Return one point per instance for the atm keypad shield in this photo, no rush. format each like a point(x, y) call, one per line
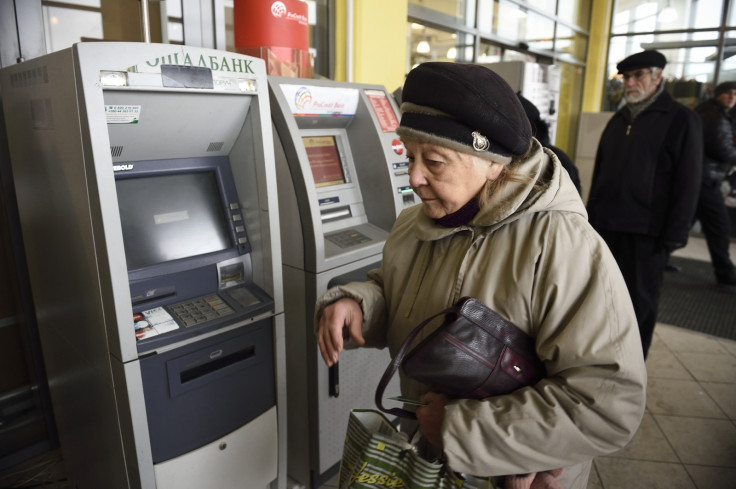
point(348, 238)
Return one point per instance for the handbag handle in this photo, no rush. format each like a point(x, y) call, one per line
point(396, 361)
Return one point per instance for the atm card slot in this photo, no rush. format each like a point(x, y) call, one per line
point(153, 295)
point(335, 214)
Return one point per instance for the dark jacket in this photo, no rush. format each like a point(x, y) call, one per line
point(718, 144)
point(647, 173)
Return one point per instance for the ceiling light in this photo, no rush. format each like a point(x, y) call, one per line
point(423, 47)
point(452, 53)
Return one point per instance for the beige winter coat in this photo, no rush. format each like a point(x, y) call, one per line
point(530, 255)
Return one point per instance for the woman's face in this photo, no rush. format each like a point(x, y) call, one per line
point(445, 179)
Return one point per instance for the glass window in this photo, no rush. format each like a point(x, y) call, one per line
point(511, 55)
point(546, 5)
point(175, 20)
point(173, 7)
point(570, 44)
point(646, 16)
point(519, 24)
point(487, 15)
point(576, 12)
point(539, 32)
point(728, 63)
point(458, 10)
point(66, 26)
point(489, 53)
point(428, 44)
point(176, 32)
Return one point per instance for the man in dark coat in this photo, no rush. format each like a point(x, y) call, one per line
point(646, 182)
point(718, 160)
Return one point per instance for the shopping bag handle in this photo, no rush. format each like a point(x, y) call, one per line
point(394, 365)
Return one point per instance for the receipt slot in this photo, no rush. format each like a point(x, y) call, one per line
point(146, 188)
point(343, 179)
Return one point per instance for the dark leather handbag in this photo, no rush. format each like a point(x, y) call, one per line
point(474, 354)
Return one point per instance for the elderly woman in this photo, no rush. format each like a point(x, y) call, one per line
point(501, 222)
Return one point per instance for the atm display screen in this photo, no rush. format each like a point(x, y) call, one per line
point(168, 217)
point(324, 160)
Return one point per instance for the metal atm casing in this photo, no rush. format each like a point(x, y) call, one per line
point(64, 150)
point(333, 232)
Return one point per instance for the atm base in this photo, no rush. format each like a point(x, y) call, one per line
point(246, 458)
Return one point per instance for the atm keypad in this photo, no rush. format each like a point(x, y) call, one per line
point(347, 238)
point(201, 310)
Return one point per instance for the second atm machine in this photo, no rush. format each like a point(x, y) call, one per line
point(342, 180)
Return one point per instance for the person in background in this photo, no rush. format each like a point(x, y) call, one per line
point(499, 221)
point(541, 132)
point(719, 159)
point(646, 182)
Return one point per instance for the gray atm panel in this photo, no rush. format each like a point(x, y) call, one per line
point(200, 392)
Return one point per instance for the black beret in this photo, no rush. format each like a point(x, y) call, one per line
point(645, 59)
point(724, 87)
point(465, 107)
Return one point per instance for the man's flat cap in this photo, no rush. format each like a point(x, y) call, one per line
point(645, 59)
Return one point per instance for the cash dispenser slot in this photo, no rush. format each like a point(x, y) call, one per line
point(216, 365)
point(329, 215)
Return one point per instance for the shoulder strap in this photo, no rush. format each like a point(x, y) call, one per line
point(396, 361)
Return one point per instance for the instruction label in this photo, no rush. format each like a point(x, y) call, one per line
point(122, 114)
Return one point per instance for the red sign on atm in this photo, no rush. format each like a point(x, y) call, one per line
point(383, 110)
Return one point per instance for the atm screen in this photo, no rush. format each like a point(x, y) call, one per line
point(167, 217)
point(324, 160)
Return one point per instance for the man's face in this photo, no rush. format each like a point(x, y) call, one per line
point(727, 99)
point(640, 84)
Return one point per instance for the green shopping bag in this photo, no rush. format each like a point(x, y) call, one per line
point(377, 456)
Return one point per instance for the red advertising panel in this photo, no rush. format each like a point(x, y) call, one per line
point(383, 110)
point(280, 23)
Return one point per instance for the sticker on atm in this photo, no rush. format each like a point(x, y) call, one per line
point(329, 200)
point(383, 110)
point(122, 114)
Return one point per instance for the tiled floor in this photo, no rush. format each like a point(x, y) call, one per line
point(687, 439)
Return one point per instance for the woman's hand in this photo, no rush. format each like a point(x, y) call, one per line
point(344, 313)
point(430, 417)
point(535, 480)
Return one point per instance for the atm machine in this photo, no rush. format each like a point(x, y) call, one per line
point(146, 187)
point(342, 180)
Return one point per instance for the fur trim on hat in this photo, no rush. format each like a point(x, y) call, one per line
point(429, 125)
